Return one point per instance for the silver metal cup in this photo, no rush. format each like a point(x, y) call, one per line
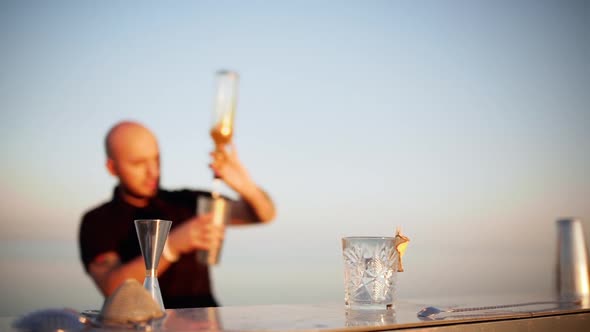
point(573, 281)
point(220, 209)
point(152, 234)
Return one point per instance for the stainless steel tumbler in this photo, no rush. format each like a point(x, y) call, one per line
point(573, 281)
point(220, 210)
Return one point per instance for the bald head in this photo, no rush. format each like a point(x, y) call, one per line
point(133, 156)
point(124, 133)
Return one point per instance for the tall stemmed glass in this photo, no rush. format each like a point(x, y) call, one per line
point(222, 128)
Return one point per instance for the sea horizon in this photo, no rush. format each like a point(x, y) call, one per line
point(41, 274)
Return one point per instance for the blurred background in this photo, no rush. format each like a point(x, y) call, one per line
point(466, 123)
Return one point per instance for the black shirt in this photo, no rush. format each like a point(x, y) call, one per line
point(110, 227)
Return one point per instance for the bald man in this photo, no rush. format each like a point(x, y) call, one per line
point(108, 242)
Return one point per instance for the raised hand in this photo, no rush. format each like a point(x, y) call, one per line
point(227, 166)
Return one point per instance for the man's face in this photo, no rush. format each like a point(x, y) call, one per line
point(136, 162)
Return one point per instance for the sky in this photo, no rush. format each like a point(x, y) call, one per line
point(465, 123)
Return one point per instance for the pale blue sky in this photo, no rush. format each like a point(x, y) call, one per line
point(453, 119)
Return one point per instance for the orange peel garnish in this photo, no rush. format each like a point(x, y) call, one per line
point(400, 243)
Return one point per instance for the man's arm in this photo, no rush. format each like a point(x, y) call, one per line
point(255, 205)
point(108, 272)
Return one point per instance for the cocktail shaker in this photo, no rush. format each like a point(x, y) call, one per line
point(220, 210)
point(573, 277)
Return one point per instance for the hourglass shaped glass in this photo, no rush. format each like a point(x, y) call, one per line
point(152, 234)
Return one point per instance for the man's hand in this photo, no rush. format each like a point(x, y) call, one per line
point(227, 166)
point(198, 233)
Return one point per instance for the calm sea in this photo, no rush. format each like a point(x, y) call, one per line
point(43, 274)
point(48, 274)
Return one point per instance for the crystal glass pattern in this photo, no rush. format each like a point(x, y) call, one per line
point(369, 272)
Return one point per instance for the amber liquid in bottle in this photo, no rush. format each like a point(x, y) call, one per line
point(221, 135)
